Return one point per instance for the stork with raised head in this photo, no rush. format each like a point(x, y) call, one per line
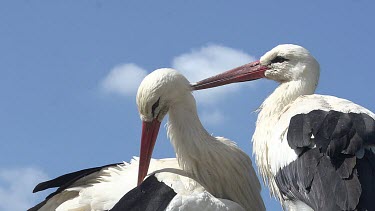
point(210, 173)
point(316, 152)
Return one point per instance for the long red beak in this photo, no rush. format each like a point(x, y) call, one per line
point(150, 132)
point(247, 72)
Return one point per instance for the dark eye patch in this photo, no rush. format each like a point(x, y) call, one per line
point(279, 59)
point(156, 104)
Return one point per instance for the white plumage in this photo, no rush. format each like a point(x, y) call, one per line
point(101, 191)
point(271, 146)
point(210, 173)
point(300, 174)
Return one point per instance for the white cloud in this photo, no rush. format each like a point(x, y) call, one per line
point(212, 117)
point(124, 79)
point(208, 61)
point(196, 65)
point(16, 187)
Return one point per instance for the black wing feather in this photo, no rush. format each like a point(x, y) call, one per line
point(150, 195)
point(330, 176)
point(68, 179)
point(63, 182)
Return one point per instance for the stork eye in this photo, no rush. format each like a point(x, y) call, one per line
point(156, 104)
point(279, 59)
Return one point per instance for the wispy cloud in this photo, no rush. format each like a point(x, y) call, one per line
point(16, 187)
point(208, 61)
point(124, 79)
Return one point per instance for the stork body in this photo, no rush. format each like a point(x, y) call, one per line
point(106, 188)
point(210, 173)
point(316, 152)
point(318, 155)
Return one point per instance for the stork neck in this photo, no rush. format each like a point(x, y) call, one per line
point(212, 162)
point(186, 132)
point(285, 94)
point(270, 111)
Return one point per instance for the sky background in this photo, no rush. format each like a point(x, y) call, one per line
point(69, 71)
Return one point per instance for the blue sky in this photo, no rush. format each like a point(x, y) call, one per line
point(63, 106)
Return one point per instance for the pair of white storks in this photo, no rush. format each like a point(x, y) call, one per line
point(315, 152)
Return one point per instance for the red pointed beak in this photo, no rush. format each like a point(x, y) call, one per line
point(150, 132)
point(247, 72)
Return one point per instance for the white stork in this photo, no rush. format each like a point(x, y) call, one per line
point(210, 173)
point(316, 152)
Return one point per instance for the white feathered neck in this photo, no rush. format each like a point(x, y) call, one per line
point(270, 112)
point(216, 163)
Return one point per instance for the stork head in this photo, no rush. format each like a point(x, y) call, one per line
point(289, 63)
point(283, 63)
point(158, 91)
